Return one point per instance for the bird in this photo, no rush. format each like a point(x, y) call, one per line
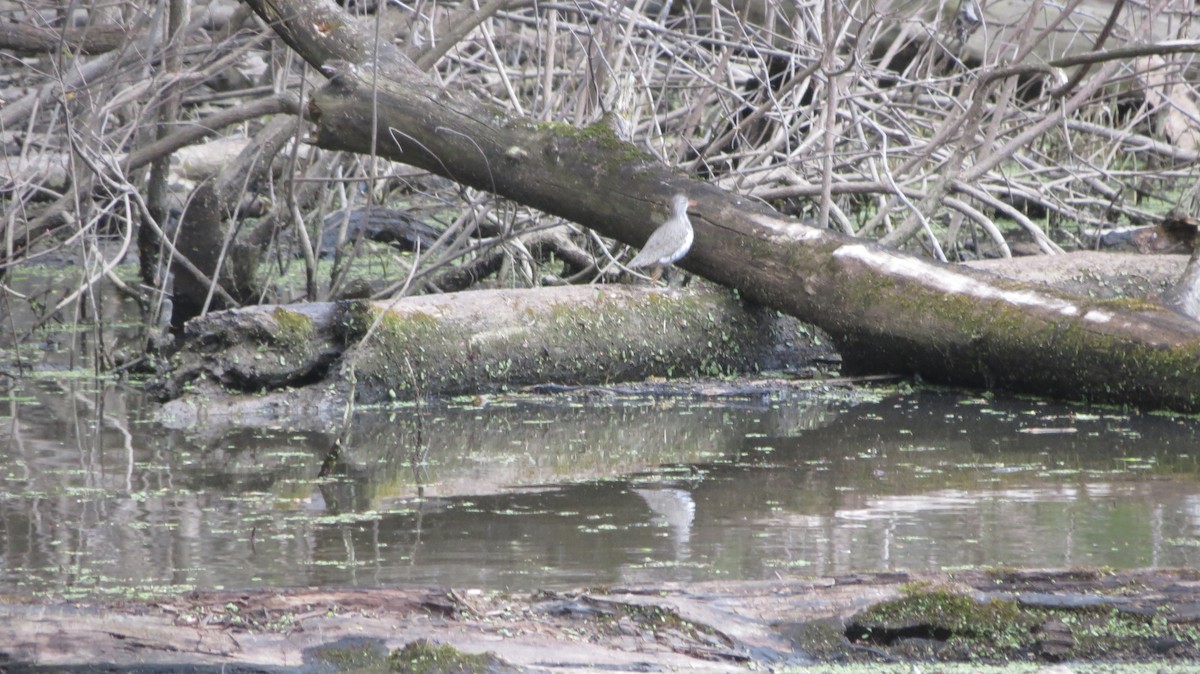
point(670, 242)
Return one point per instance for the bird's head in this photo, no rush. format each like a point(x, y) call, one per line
point(680, 203)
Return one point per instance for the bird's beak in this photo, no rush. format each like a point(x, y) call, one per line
point(691, 203)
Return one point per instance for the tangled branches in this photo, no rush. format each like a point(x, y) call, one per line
point(962, 132)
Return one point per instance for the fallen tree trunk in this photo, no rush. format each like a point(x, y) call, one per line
point(885, 311)
point(477, 341)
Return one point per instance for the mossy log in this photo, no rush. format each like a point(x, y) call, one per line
point(477, 341)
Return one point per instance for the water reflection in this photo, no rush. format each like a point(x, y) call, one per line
point(96, 498)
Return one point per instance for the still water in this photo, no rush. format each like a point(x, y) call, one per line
point(96, 497)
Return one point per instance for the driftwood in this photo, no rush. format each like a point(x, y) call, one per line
point(709, 627)
point(885, 311)
point(477, 341)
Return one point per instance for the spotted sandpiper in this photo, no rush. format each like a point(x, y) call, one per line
point(669, 242)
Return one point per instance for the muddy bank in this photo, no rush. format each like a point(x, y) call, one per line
point(983, 616)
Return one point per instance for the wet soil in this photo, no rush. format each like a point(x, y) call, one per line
point(978, 615)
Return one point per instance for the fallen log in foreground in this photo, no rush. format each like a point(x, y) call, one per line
point(999, 616)
point(480, 341)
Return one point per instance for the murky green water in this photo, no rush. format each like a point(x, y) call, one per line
point(95, 498)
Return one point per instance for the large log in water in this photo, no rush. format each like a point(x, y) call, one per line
point(478, 341)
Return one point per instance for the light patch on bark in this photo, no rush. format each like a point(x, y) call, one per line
point(790, 230)
point(500, 335)
point(954, 283)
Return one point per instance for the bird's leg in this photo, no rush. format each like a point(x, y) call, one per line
point(658, 270)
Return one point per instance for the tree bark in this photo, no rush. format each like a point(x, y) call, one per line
point(886, 311)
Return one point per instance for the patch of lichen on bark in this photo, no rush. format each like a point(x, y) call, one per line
point(425, 657)
point(601, 340)
point(361, 656)
point(592, 334)
point(1155, 375)
point(695, 336)
point(601, 133)
point(295, 332)
point(412, 353)
point(796, 260)
point(963, 319)
point(1096, 365)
